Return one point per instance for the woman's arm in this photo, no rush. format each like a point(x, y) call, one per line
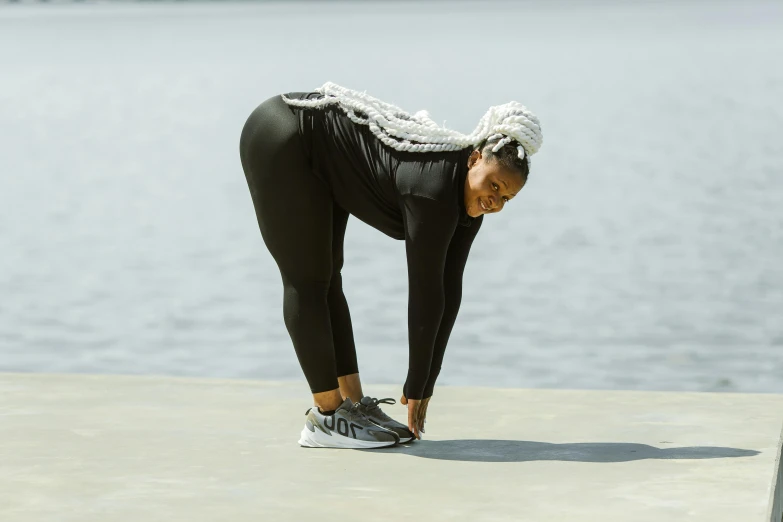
point(429, 228)
point(456, 258)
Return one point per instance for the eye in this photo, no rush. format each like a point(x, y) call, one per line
point(505, 198)
point(495, 186)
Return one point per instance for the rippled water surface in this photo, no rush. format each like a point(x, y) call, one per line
point(646, 252)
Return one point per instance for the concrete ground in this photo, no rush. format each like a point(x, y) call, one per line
point(119, 448)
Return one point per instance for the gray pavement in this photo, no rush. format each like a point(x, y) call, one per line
point(121, 448)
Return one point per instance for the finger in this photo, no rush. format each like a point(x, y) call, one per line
point(418, 420)
point(411, 423)
point(416, 405)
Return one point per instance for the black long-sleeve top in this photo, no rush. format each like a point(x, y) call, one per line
point(412, 196)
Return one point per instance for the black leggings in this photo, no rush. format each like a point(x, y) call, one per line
point(303, 228)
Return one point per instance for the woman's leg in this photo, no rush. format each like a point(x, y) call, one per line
point(351, 386)
point(342, 330)
point(294, 211)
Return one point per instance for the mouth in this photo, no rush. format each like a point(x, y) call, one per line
point(483, 206)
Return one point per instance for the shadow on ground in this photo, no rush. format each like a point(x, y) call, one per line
point(477, 450)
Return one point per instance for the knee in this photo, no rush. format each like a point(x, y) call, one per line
point(336, 279)
point(337, 263)
point(306, 289)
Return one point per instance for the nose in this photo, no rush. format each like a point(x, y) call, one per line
point(497, 203)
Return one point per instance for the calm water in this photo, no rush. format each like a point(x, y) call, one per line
point(646, 252)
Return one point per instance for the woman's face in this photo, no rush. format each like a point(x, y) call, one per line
point(489, 185)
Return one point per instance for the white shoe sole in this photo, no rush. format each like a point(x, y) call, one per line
point(319, 439)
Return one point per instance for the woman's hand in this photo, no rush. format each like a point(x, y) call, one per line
point(417, 414)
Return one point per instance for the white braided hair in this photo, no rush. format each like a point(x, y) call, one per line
point(418, 133)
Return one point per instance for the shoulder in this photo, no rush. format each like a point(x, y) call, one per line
point(426, 174)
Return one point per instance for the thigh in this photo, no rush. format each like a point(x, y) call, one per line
point(293, 206)
point(339, 224)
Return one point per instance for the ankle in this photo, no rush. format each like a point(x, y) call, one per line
point(329, 400)
point(355, 397)
point(351, 386)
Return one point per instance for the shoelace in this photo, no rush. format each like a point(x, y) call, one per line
point(354, 410)
point(373, 406)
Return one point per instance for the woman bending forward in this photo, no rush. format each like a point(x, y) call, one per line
point(313, 158)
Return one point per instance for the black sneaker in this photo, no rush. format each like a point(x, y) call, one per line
point(348, 427)
point(369, 406)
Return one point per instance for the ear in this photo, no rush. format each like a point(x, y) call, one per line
point(474, 157)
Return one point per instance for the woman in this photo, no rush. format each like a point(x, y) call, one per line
point(313, 158)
